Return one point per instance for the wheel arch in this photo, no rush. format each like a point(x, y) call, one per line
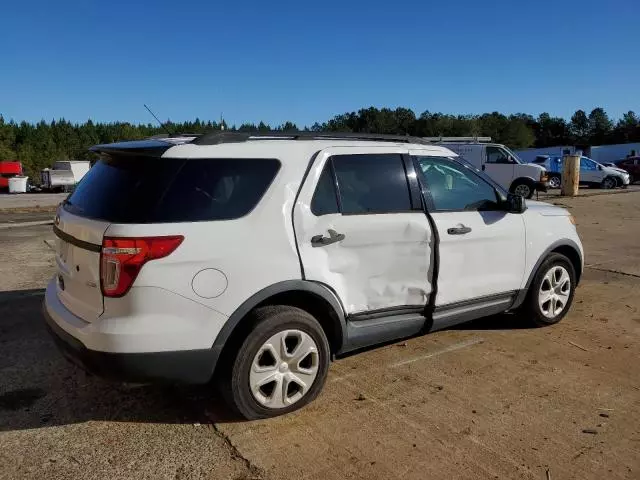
point(315, 298)
point(620, 181)
point(519, 180)
point(566, 247)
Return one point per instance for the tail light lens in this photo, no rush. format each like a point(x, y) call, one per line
point(122, 259)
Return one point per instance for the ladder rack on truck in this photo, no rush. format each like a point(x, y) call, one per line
point(458, 139)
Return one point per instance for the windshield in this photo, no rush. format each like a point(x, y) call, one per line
point(480, 173)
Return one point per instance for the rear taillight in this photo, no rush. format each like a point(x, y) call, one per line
point(122, 258)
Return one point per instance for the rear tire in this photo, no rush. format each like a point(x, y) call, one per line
point(555, 181)
point(551, 292)
point(281, 365)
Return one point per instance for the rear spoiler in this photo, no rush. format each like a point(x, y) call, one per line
point(146, 148)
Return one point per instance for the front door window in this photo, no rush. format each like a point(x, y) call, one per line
point(454, 187)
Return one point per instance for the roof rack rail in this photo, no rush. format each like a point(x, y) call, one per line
point(215, 138)
point(175, 138)
point(161, 136)
point(457, 139)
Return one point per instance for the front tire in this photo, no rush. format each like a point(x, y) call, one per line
point(523, 188)
point(555, 181)
point(281, 365)
point(608, 183)
point(551, 292)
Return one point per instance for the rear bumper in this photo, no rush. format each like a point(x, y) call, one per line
point(182, 366)
point(189, 366)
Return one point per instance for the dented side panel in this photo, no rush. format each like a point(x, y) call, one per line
point(384, 260)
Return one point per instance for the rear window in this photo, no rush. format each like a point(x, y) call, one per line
point(163, 190)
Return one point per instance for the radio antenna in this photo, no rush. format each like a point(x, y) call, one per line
point(163, 126)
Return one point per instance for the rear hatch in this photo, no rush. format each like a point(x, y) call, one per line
point(120, 189)
point(129, 189)
point(78, 248)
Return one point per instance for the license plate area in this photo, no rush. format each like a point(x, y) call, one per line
point(63, 250)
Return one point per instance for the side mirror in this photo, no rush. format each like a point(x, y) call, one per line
point(515, 203)
point(599, 167)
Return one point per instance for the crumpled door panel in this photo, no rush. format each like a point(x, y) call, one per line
point(384, 260)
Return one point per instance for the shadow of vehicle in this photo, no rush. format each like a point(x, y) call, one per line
point(39, 387)
point(503, 321)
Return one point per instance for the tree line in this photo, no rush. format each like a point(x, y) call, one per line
point(38, 145)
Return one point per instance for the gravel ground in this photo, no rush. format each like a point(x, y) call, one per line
point(490, 399)
point(27, 201)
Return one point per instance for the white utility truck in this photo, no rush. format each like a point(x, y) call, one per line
point(499, 163)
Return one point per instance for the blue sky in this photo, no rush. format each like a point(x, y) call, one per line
point(300, 61)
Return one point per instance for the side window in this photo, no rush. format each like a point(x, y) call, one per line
point(586, 164)
point(497, 155)
point(455, 187)
point(215, 189)
point(325, 200)
point(372, 183)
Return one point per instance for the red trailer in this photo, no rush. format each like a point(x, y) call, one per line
point(7, 170)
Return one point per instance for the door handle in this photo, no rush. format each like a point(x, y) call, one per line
point(461, 230)
point(321, 240)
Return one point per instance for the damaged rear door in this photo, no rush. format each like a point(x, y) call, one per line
point(361, 230)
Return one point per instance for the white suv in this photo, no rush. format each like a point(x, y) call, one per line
point(261, 258)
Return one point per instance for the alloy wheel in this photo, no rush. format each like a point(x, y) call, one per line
point(554, 292)
point(283, 369)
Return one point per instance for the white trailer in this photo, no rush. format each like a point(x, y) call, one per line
point(64, 175)
point(611, 153)
point(528, 155)
point(78, 167)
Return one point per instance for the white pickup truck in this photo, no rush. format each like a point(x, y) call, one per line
point(498, 162)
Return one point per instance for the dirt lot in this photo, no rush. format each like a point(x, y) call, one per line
point(30, 200)
point(486, 400)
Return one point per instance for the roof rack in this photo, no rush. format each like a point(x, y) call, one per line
point(215, 138)
point(457, 139)
point(161, 136)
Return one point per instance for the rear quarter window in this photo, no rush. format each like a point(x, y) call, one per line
point(165, 190)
